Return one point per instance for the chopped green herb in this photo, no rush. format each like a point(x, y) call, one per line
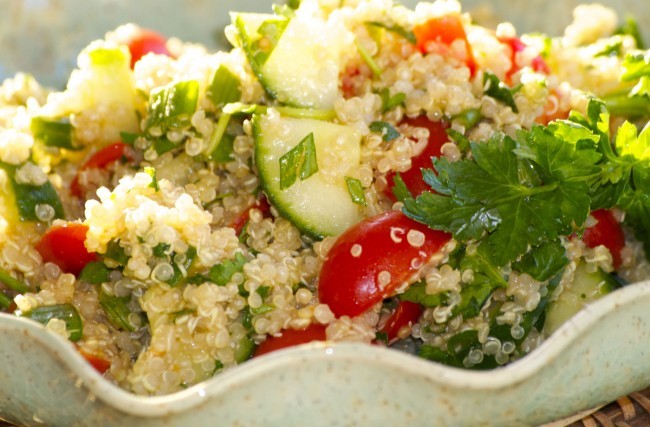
point(381, 337)
point(181, 268)
point(222, 273)
point(218, 365)
point(263, 291)
point(461, 140)
point(27, 196)
point(154, 181)
point(355, 188)
point(117, 310)
point(417, 293)
point(388, 132)
point(94, 272)
point(129, 138)
point(65, 312)
point(264, 308)
point(389, 102)
point(400, 190)
point(224, 87)
point(161, 250)
point(469, 118)
point(499, 91)
point(115, 252)
point(299, 162)
point(614, 48)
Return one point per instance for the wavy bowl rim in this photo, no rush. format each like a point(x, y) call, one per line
point(178, 402)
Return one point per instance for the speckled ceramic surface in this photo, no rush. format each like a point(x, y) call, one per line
point(599, 355)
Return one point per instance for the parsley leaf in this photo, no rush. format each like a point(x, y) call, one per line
point(222, 273)
point(499, 91)
point(299, 162)
point(488, 197)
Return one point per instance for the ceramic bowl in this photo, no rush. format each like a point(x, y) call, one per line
point(597, 356)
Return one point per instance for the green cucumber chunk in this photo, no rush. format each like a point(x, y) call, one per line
point(586, 288)
point(321, 204)
point(301, 64)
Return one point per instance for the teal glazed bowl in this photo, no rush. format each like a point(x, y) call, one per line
point(597, 356)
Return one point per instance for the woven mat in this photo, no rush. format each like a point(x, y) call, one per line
point(628, 411)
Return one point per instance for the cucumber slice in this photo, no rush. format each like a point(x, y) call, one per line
point(585, 288)
point(321, 204)
point(300, 68)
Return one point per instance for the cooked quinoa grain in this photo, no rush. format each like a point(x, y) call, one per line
point(181, 210)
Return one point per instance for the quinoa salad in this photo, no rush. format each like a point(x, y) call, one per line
point(349, 171)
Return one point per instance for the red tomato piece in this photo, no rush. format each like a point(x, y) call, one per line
point(242, 219)
point(606, 232)
point(444, 30)
point(406, 314)
point(413, 177)
point(516, 45)
point(291, 337)
point(100, 160)
point(551, 110)
point(146, 41)
point(371, 259)
point(63, 245)
point(100, 364)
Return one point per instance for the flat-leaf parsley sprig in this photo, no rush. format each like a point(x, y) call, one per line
point(516, 194)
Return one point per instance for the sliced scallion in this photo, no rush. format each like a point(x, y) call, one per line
point(368, 59)
point(53, 132)
point(224, 87)
point(13, 283)
point(356, 191)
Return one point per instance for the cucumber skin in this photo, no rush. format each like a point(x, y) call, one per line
point(245, 40)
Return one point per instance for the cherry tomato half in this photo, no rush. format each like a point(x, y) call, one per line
point(291, 337)
point(516, 45)
point(242, 219)
point(413, 177)
point(100, 364)
point(100, 160)
point(606, 232)
point(444, 30)
point(63, 245)
point(371, 259)
point(146, 41)
point(406, 314)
